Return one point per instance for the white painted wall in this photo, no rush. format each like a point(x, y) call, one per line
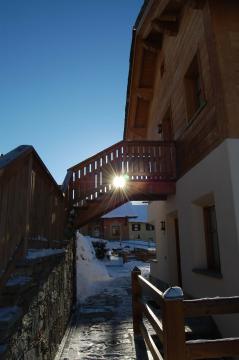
point(215, 177)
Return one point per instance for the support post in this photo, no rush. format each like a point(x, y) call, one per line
point(136, 305)
point(173, 325)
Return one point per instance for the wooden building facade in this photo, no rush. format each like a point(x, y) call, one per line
point(32, 206)
point(184, 87)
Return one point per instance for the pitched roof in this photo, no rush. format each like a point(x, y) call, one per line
point(134, 211)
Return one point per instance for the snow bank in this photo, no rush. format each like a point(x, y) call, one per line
point(90, 271)
point(94, 275)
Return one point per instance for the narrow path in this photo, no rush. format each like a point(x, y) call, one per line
point(102, 327)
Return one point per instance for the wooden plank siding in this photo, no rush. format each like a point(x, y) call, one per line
point(195, 137)
point(209, 30)
point(31, 205)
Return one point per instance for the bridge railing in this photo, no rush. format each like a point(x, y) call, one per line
point(139, 160)
point(170, 326)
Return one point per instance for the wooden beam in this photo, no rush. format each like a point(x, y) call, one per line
point(167, 27)
point(211, 306)
point(145, 93)
point(151, 290)
point(173, 330)
point(169, 17)
point(150, 343)
point(152, 45)
point(154, 321)
point(136, 297)
point(207, 349)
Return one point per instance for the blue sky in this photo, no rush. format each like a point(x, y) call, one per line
point(63, 76)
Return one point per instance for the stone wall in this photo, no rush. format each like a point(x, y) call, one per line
point(43, 325)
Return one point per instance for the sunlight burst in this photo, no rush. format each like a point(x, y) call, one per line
point(119, 182)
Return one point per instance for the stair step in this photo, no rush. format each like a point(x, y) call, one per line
point(9, 317)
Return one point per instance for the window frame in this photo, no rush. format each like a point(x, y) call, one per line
point(194, 88)
point(211, 239)
point(135, 225)
point(149, 227)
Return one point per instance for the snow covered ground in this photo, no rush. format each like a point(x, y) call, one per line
point(94, 275)
point(132, 244)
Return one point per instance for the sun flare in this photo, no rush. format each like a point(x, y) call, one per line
point(119, 182)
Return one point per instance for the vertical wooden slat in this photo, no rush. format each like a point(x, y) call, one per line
point(28, 209)
point(136, 306)
point(142, 160)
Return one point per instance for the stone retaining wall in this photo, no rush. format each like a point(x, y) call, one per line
point(43, 325)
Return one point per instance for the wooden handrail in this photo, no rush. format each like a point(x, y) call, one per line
point(154, 321)
point(210, 349)
point(141, 161)
point(150, 289)
point(117, 145)
point(150, 343)
point(211, 306)
point(171, 330)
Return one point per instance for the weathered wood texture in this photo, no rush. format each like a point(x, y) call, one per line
point(31, 205)
point(225, 15)
point(171, 328)
point(195, 136)
point(210, 30)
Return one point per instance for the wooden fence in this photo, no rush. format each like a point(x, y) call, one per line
point(170, 328)
point(31, 204)
point(142, 255)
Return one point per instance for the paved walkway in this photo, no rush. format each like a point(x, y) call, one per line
point(102, 328)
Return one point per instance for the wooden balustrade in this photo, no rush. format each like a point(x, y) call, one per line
point(170, 328)
point(140, 161)
point(32, 205)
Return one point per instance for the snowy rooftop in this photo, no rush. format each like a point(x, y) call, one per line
point(136, 211)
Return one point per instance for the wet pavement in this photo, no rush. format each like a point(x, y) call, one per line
point(101, 328)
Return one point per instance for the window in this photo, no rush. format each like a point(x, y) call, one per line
point(165, 127)
point(211, 237)
point(193, 88)
point(135, 227)
point(115, 230)
point(149, 227)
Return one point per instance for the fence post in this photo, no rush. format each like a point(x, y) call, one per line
point(136, 305)
point(173, 325)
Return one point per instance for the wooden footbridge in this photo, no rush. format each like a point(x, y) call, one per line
point(147, 167)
